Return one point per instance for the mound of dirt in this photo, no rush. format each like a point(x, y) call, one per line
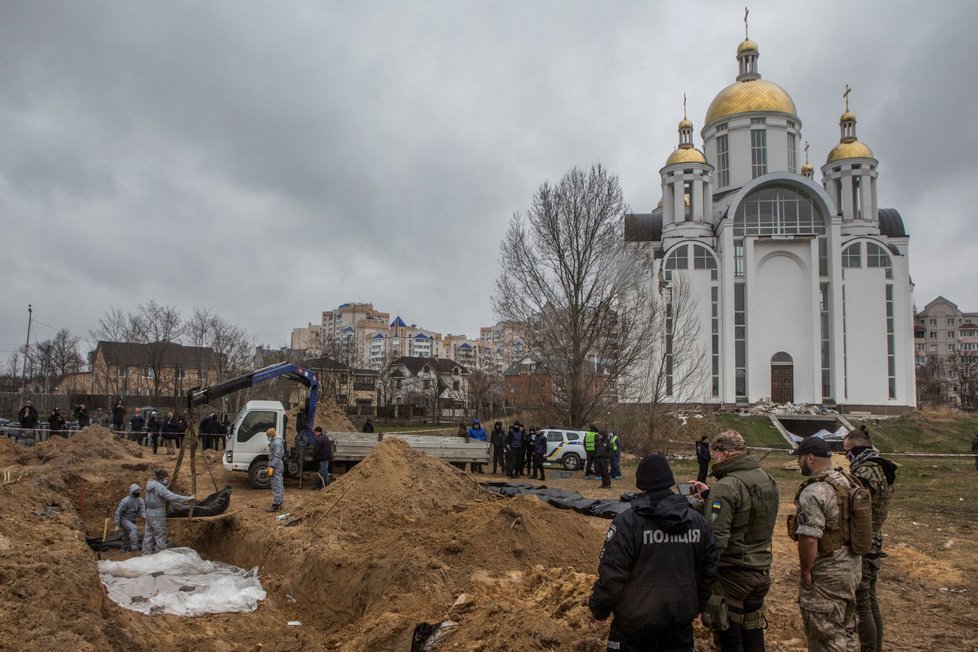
point(397, 482)
point(90, 443)
point(329, 416)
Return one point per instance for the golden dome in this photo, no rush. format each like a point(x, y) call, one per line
point(747, 45)
point(749, 96)
point(807, 168)
point(685, 123)
point(686, 155)
point(848, 116)
point(855, 149)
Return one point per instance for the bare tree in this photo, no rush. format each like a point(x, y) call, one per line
point(675, 372)
point(65, 358)
point(232, 347)
point(961, 372)
point(570, 288)
point(162, 327)
point(388, 382)
point(931, 385)
point(230, 344)
point(125, 328)
point(485, 394)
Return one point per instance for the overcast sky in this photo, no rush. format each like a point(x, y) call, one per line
point(270, 160)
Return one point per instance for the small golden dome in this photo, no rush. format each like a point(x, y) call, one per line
point(848, 116)
point(685, 123)
point(748, 96)
point(807, 168)
point(686, 155)
point(747, 46)
point(854, 149)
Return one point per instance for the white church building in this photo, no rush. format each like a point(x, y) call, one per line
point(803, 290)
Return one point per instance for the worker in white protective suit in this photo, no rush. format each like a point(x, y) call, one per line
point(276, 468)
point(130, 508)
point(157, 496)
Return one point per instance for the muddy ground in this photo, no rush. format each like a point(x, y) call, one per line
point(401, 539)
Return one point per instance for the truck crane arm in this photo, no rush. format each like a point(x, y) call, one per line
point(199, 396)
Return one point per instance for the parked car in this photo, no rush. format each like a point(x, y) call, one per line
point(144, 412)
point(565, 447)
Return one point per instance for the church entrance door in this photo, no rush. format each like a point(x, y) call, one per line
point(782, 378)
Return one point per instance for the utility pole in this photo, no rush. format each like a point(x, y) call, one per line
point(27, 348)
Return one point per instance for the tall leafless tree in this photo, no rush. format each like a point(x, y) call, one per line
point(570, 288)
point(675, 371)
point(125, 328)
point(162, 327)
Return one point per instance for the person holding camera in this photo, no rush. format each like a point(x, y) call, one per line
point(81, 413)
point(742, 508)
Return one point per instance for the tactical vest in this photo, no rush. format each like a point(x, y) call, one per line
point(871, 475)
point(763, 507)
point(855, 526)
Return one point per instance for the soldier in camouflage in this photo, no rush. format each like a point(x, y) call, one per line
point(877, 474)
point(741, 508)
point(830, 572)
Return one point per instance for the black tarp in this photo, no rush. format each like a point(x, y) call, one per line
point(563, 499)
point(211, 506)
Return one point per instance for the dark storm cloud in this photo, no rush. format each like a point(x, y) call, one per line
point(272, 160)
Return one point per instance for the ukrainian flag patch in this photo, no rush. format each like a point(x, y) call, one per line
point(715, 506)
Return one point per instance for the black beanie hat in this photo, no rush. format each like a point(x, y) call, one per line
point(653, 473)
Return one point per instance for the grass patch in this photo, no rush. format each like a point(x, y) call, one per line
point(757, 430)
point(931, 431)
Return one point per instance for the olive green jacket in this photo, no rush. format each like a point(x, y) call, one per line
point(742, 508)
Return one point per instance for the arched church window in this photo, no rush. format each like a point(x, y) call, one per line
point(852, 256)
point(678, 258)
point(702, 258)
point(778, 210)
point(876, 256)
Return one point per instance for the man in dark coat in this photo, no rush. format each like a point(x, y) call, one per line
point(496, 438)
point(118, 416)
point(56, 422)
point(703, 458)
point(324, 454)
point(657, 568)
point(28, 420)
point(602, 459)
point(81, 413)
point(514, 449)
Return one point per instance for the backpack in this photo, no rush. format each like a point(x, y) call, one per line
point(855, 528)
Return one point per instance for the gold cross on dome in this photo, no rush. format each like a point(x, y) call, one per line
point(746, 11)
point(806, 151)
point(684, 105)
point(846, 95)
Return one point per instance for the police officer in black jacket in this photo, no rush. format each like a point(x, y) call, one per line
point(657, 569)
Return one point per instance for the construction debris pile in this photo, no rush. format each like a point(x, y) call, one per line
point(788, 408)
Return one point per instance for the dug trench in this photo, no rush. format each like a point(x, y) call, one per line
point(399, 540)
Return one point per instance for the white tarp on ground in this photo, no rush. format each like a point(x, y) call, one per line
point(838, 435)
point(177, 581)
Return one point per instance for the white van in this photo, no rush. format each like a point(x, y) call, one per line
point(565, 448)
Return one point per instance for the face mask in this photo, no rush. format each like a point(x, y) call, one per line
point(850, 455)
point(164, 482)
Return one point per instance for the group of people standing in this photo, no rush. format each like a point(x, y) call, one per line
point(672, 557)
point(603, 456)
point(518, 451)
